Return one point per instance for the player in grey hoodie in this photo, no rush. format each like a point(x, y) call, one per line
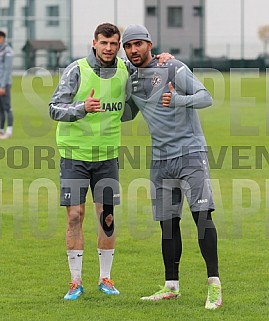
point(168, 97)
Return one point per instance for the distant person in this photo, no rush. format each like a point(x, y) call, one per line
point(6, 59)
point(88, 104)
point(168, 97)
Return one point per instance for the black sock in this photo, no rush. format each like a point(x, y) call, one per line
point(171, 247)
point(207, 238)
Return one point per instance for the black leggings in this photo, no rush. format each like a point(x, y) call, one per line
point(171, 247)
point(172, 244)
point(5, 109)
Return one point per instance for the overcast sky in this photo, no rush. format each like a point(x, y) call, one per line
point(223, 23)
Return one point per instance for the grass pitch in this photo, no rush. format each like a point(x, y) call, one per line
point(33, 264)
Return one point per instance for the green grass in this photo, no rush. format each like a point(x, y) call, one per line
point(33, 263)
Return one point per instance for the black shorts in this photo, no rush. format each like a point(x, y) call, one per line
point(77, 176)
point(172, 179)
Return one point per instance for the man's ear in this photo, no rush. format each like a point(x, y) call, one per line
point(94, 43)
point(150, 45)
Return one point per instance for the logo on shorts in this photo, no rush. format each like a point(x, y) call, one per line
point(116, 195)
point(156, 80)
point(203, 201)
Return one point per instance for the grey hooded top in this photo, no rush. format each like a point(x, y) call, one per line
point(174, 130)
point(6, 60)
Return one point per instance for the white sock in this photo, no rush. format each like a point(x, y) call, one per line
point(214, 280)
point(9, 130)
point(172, 285)
point(75, 264)
point(105, 261)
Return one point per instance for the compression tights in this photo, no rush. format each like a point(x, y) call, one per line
point(172, 244)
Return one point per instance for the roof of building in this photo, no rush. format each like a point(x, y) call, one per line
point(54, 45)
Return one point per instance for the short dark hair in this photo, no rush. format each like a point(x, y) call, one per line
point(2, 34)
point(106, 29)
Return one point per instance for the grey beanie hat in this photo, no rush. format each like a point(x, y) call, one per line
point(135, 32)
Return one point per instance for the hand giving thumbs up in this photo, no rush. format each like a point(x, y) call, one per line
point(166, 99)
point(92, 105)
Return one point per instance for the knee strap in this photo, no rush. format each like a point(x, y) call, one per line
point(107, 210)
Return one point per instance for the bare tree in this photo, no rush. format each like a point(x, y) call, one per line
point(264, 36)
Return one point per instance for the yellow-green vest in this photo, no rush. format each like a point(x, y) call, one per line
point(96, 137)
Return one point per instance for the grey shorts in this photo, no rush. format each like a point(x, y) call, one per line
point(77, 176)
point(173, 178)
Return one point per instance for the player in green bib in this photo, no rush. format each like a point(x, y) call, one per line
point(88, 104)
point(95, 137)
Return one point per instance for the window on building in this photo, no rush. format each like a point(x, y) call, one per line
point(197, 11)
point(175, 17)
point(28, 12)
point(53, 15)
point(174, 51)
point(151, 11)
point(3, 13)
point(25, 14)
point(197, 52)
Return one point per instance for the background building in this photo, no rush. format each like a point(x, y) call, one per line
point(39, 31)
point(177, 26)
point(51, 32)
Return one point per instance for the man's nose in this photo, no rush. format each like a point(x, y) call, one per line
point(133, 48)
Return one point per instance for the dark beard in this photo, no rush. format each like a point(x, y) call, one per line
point(139, 64)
